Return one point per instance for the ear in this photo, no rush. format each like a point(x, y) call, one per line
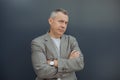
point(50, 20)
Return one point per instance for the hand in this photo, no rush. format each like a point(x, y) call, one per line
point(74, 54)
point(48, 61)
point(56, 63)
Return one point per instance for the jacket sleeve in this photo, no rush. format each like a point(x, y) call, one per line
point(39, 62)
point(71, 65)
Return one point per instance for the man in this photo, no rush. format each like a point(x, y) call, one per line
point(56, 56)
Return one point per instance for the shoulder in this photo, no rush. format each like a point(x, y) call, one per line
point(39, 39)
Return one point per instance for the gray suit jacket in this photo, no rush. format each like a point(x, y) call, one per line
point(43, 48)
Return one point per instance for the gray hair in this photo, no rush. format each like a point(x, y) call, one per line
point(53, 13)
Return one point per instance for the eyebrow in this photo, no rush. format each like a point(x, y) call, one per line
point(63, 21)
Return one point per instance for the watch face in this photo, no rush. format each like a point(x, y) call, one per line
point(51, 63)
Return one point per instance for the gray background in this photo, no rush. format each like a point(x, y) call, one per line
point(94, 23)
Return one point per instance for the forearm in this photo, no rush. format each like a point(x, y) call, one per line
point(70, 65)
point(73, 63)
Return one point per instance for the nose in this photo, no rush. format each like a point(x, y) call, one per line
point(64, 25)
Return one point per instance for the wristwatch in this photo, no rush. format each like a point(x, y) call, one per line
point(51, 63)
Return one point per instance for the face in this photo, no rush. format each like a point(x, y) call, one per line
point(58, 24)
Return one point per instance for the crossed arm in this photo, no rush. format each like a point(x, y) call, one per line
point(73, 54)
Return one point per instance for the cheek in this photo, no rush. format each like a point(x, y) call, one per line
point(56, 25)
point(66, 27)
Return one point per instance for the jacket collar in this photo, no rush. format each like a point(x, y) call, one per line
point(48, 37)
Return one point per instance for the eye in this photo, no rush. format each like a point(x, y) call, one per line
point(66, 22)
point(61, 21)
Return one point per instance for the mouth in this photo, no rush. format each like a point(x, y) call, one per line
point(61, 30)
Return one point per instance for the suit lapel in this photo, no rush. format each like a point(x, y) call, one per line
point(64, 52)
point(63, 47)
point(50, 44)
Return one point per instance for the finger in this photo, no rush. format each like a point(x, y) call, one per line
point(77, 52)
point(73, 51)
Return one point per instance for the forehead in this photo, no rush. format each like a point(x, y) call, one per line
point(61, 16)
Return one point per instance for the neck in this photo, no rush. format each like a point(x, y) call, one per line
point(54, 36)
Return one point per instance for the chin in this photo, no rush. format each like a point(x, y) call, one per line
point(60, 34)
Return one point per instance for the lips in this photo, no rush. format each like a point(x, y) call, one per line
point(61, 30)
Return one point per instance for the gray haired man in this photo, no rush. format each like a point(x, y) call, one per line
point(55, 55)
